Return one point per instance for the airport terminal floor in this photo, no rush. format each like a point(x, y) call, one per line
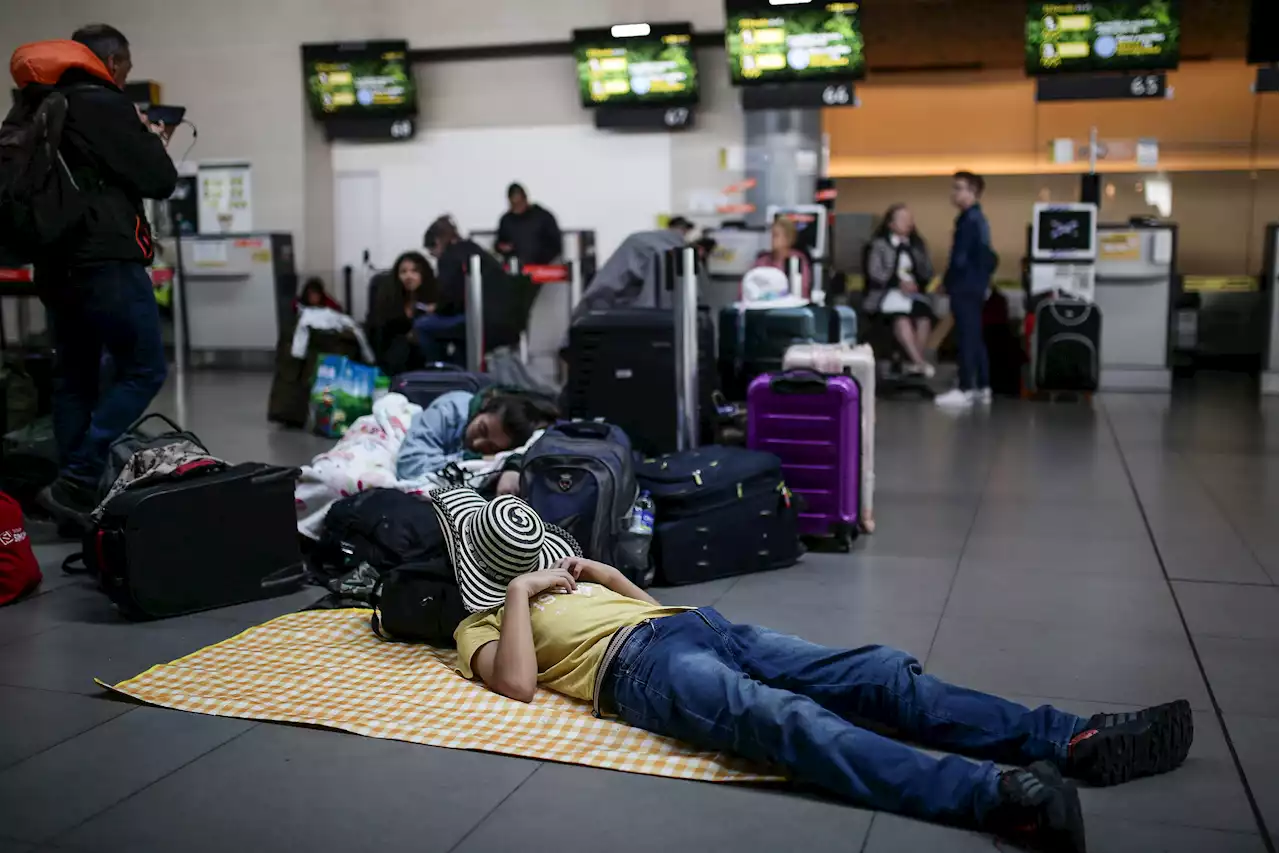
point(1099, 558)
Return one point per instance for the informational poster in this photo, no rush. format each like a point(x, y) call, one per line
point(225, 198)
point(1120, 246)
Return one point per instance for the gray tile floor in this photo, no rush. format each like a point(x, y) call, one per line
point(1135, 543)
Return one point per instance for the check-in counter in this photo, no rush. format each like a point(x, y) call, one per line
point(1271, 278)
point(1135, 283)
point(238, 290)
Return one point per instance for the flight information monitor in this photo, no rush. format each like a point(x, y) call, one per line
point(359, 79)
point(806, 41)
point(1104, 35)
point(636, 65)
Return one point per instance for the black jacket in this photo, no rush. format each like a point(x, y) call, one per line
point(534, 236)
point(115, 160)
point(507, 299)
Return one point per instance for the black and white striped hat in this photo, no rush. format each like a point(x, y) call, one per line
point(492, 542)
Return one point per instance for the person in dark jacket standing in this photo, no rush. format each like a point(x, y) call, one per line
point(98, 292)
point(528, 232)
point(967, 280)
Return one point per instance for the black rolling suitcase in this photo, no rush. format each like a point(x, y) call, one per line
point(424, 386)
point(622, 368)
point(196, 544)
point(719, 512)
point(1064, 345)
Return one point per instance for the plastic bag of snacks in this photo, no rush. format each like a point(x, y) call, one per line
point(342, 392)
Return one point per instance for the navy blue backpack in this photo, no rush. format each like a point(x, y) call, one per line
point(580, 476)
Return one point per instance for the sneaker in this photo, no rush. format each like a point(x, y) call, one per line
point(955, 399)
point(1039, 810)
point(69, 502)
point(1114, 748)
point(984, 396)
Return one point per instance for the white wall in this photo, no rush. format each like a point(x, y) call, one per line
point(235, 65)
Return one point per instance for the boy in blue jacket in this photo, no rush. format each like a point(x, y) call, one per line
point(966, 281)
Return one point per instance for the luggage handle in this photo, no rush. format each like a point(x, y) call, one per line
point(289, 576)
point(585, 429)
point(136, 425)
point(277, 476)
point(799, 381)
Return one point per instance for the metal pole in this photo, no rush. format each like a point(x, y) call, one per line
point(793, 275)
point(575, 285)
point(475, 317)
point(686, 318)
point(348, 290)
point(180, 328)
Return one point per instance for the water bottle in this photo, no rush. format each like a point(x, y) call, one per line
point(635, 544)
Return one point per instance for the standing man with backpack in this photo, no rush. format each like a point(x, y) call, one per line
point(77, 159)
point(966, 281)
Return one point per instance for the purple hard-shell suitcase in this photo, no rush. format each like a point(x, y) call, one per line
point(813, 424)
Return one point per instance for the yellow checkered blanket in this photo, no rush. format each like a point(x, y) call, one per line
point(327, 668)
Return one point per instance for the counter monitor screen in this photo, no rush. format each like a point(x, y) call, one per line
point(1065, 232)
point(367, 78)
point(1105, 35)
point(796, 42)
point(636, 65)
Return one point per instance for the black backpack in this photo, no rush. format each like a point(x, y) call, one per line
point(382, 527)
point(40, 203)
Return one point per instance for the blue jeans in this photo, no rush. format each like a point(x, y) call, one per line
point(109, 308)
point(779, 700)
point(434, 332)
point(975, 369)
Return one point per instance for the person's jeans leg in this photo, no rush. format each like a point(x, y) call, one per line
point(76, 380)
point(121, 306)
point(963, 311)
point(430, 327)
point(679, 677)
point(888, 688)
point(982, 376)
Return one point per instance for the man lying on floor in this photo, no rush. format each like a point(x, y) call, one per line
point(541, 614)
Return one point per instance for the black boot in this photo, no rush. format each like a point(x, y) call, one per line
point(1039, 810)
point(1114, 748)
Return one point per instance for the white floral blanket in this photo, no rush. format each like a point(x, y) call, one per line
point(365, 458)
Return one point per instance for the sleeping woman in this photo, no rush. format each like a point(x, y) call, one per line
point(461, 425)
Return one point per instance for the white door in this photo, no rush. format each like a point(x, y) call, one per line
point(357, 239)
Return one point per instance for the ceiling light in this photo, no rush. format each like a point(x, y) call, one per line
point(622, 31)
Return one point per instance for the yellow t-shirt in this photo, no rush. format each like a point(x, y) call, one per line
point(570, 633)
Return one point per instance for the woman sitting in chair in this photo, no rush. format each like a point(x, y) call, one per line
point(898, 271)
point(782, 248)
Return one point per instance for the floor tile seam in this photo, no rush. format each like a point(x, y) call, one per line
point(63, 834)
point(1204, 582)
point(4, 768)
point(1259, 818)
point(485, 817)
point(1217, 502)
point(17, 638)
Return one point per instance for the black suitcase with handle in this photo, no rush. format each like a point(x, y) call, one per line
point(719, 512)
point(424, 387)
point(1065, 345)
point(196, 544)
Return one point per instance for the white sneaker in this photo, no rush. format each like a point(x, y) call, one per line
point(984, 397)
point(955, 399)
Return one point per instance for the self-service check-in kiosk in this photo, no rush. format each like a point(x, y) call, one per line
point(237, 291)
point(1134, 286)
point(1063, 249)
point(1271, 275)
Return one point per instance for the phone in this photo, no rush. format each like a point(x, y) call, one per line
point(166, 115)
